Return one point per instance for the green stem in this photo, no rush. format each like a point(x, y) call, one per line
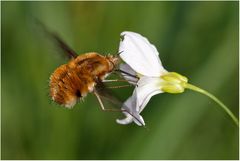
point(225, 108)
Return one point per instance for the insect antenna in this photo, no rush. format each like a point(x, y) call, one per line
point(118, 54)
point(66, 49)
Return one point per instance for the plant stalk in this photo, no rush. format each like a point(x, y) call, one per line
point(224, 107)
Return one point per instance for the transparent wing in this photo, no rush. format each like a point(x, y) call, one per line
point(108, 95)
point(70, 53)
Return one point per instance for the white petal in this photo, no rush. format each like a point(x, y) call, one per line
point(140, 54)
point(132, 114)
point(127, 120)
point(131, 77)
point(147, 87)
point(131, 102)
point(138, 119)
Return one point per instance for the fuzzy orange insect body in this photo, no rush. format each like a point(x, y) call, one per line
point(78, 77)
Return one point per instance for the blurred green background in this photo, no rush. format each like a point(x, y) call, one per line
point(196, 39)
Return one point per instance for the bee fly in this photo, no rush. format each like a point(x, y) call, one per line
point(79, 76)
point(83, 74)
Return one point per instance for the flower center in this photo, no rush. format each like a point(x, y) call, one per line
point(173, 82)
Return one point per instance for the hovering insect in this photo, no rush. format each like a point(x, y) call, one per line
point(74, 80)
point(83, 74)
point(79, 76)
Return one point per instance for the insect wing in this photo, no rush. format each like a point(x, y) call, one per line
point(108, 95)
point(69, 52)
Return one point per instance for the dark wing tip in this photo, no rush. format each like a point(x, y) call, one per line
point(59, 42)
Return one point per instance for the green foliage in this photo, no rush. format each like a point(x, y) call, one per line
point(196, 39)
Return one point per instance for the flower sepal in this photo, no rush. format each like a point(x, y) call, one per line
point(173, 82)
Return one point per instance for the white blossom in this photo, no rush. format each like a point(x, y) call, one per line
point(142, 60)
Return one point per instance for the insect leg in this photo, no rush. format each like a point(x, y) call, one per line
point(114, 80)
point(122, 86)
point(113, 110)
point(101, 104)
point(118, 80)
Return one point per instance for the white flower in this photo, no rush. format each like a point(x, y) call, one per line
point(142, 60)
